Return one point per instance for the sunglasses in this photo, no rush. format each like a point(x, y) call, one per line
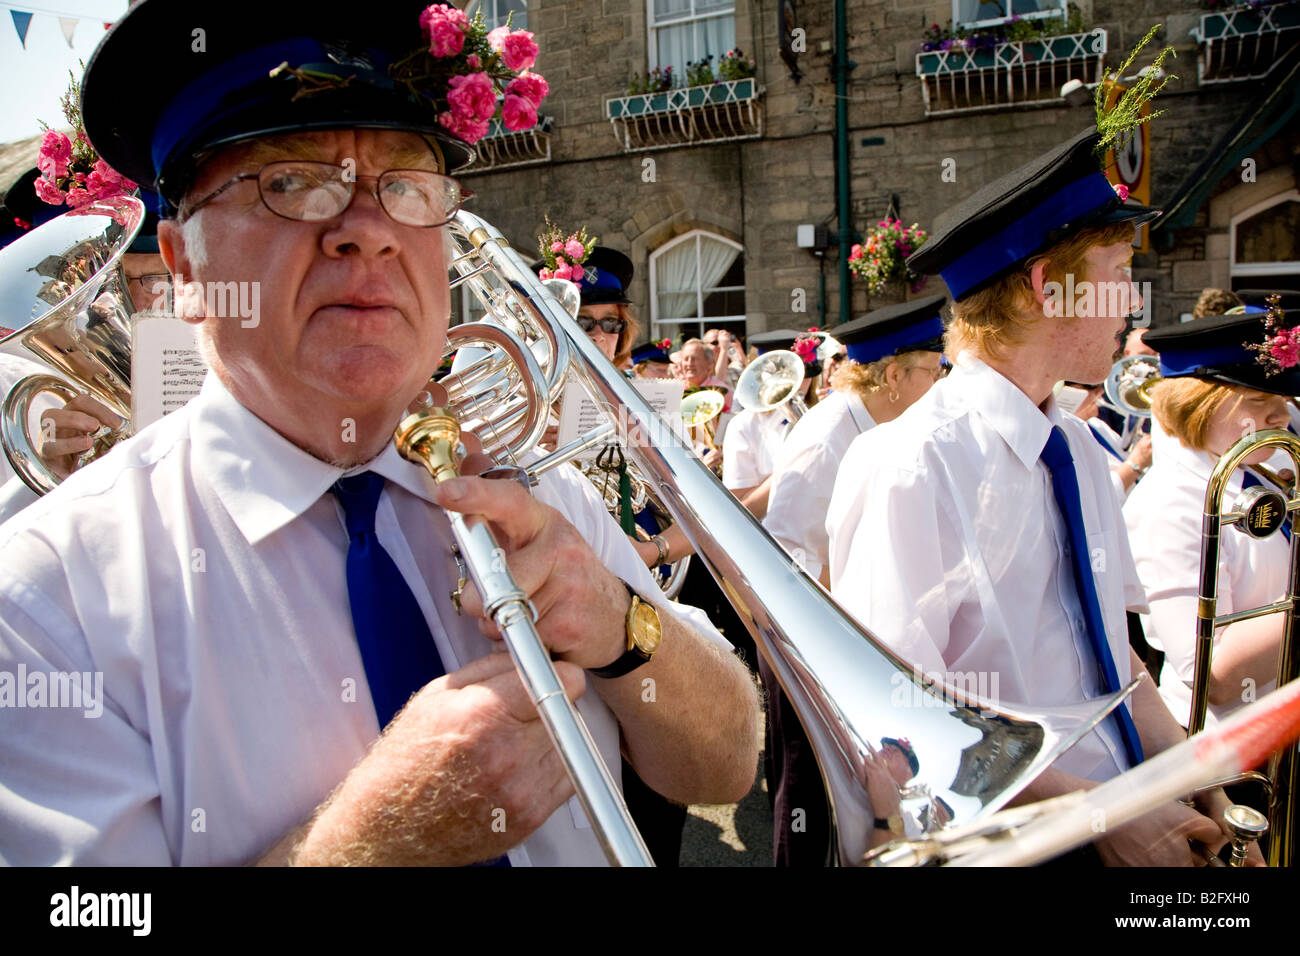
point(608, 326)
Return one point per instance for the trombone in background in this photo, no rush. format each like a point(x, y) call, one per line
point(63, 289)
point(773, 380)
point(1259, 512)
point(848, 688)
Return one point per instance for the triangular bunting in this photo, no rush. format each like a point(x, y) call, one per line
point(69, 26)
point(21, 23)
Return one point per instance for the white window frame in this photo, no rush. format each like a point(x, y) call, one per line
point(1064, 11)
point(652, 43)
point(1236, 268)
point(694, 235)
point(473, 7)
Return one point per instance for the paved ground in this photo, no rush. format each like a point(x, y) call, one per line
point(737, 834)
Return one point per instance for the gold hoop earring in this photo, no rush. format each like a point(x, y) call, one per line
point(893, 397)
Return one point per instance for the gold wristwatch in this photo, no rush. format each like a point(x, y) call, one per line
point(643, 635)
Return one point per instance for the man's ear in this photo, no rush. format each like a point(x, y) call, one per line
point(187, 294)
point(1047, 292)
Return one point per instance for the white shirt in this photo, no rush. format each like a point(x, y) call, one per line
point(752, 442)
point(1113, 446)
point(805, 477)
point(1164, 522)
point(201, 569)
point(946, 541)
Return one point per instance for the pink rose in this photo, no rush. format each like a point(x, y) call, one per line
point(575, 249)
point(564, 272)
point(474, 62)
point(47, 192)
point(531, 86)
point(463, 126)
point(471, 95)
point(517, 113)
point(78, 198)
point(57, 146)
point(1122, 191)
point(557, 246)
point(51, 168)
point(446, 27)
point(516, 47)
point(544, 273)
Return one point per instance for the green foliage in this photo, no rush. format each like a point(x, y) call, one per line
point(1125, 114)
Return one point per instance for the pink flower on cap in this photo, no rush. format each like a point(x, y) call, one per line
point(472, 96)
point(575, 249)
point(78, 198)
point(517, 113)
point(56, 145)
point(47, 192)
point(1122, 191)
point(516, 47)
point(564, 271)
point(531, 86)
point(446, 27)
point(544, 273)
point(557, 246)
point(464, 126)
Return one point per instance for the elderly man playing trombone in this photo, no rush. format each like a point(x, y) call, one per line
point(260, 579)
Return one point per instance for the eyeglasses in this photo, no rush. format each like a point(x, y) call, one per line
point(314, 192)
point(608, 326)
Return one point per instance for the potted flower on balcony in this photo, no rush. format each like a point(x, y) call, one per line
point(880, 259)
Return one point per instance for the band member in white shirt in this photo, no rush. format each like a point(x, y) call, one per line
point(1213, 392)
point(979, 531)
point(754, 437)
point(218, 575)
point(894, 355)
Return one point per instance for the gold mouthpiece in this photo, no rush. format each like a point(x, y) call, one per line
point(431, 438)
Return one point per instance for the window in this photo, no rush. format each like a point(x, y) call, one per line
point(687, 30)
point(495, 13)
point(697, 281)
point(988, 13)
point(1266, 244)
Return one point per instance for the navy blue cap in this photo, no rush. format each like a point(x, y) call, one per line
point(152, 101)
point(915, 326)
point(773, 340)
point(1023, 213)
point(1215, 349)
point(21, 201)
point(650, 352)
point(605, 277)
point(1255, 299)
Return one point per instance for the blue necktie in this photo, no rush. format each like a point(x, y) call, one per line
point(1065, 485)
point(396, 647)
point(1248, 480)
point(1105, 444)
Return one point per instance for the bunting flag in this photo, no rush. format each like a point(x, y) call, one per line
point(69, 26)
point(22, 21)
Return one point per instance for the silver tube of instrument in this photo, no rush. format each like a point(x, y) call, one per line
point(508, 606)
point(599, 435)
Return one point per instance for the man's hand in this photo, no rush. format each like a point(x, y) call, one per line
point(581, 606)
point(465, 772)
point(73, 427)
point(1140, 453)
point(1159, 838)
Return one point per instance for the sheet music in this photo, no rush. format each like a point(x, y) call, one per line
point(166, 367)
point(579, 413)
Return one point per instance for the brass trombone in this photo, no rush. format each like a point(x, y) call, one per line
point(1259, 512)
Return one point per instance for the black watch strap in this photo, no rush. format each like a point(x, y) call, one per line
point(632, 658)
point(880, 824)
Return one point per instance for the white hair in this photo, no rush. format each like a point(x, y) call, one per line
point(195, 239)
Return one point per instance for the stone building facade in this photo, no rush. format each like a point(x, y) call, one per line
point(734, 176)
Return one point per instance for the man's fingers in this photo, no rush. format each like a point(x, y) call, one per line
point(58, 447)
point(511, 509)
point(68, 421)
point(509, 689)
point(96, 409)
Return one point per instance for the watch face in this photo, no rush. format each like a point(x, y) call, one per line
point(646, 631)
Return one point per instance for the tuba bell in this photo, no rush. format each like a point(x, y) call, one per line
point(773, 380)
point(848, 688)
point(63, 289)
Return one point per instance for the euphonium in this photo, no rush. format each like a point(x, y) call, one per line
point(773, 380)
point(848, 688)
point(63, 290)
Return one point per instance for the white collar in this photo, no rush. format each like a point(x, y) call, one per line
point(1168, 450)
point(995, 398)
point(858, 411)
point(263, 479)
